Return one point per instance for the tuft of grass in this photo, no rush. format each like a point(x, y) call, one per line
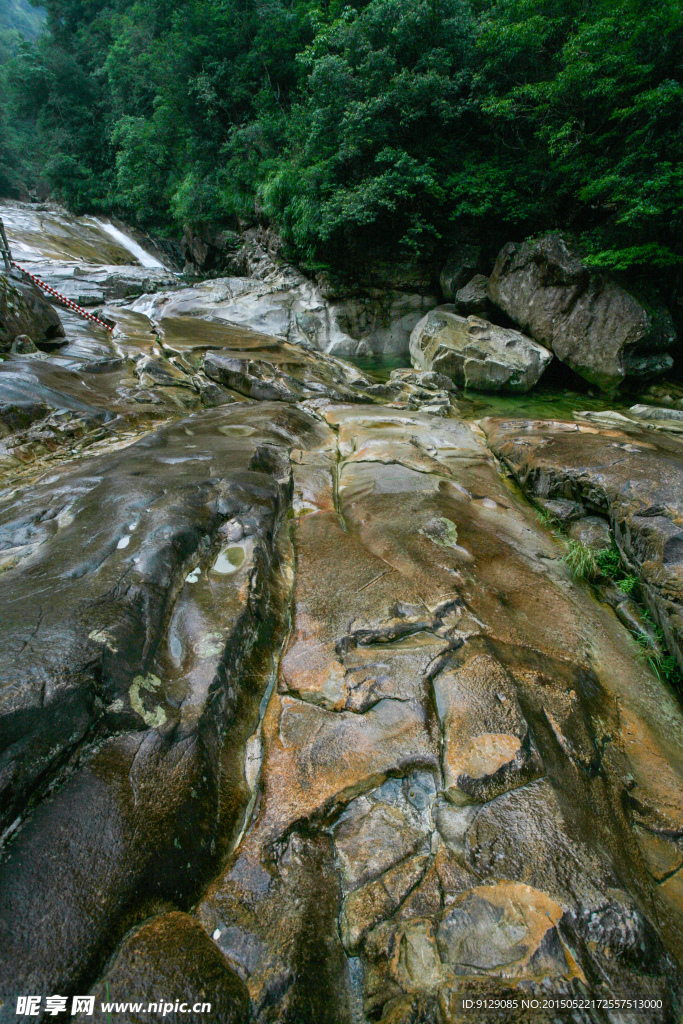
point(609, 562)
point(665, 666)
point(545, 517)
point(584, 564)
point(581, 561)
point(550, 521)
point(628, 583)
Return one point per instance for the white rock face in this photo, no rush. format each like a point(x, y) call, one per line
point(476, 353)
point(287, 305)
point(90, 285)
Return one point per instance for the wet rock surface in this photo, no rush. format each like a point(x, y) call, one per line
point(440, 737)
point(92, 285)
point(45, 233)
point(633, 478)
point(173, 953)
point(301, 711)
point(282, 303)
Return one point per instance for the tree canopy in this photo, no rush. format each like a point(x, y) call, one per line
point(390, 124)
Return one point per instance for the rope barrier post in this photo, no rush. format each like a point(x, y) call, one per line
point(6, 251)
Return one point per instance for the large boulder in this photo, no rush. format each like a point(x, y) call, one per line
point(23, 310)
point(592, 324)
point(476, 353)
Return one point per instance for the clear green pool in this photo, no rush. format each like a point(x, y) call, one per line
point(551, 400)
point(378, 367)
point(545, 403)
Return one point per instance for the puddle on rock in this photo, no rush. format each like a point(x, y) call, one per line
point(237, 430)
point(228, 561)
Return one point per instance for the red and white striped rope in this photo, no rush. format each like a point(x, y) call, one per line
point(62, 298)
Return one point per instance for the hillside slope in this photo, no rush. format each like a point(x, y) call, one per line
point(19, 15)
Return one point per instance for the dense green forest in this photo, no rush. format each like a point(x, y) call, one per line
point(392, 125)
point(20, 19)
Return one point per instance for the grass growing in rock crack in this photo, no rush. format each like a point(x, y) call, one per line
point(610, 564)
point(581, 561)
point(584, 564)
point(591, 566)
point(549, 520)
point(664, 665)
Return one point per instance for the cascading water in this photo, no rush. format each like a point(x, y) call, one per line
point(131, 245)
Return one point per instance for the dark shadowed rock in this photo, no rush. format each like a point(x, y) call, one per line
point(458, 270)
point(24, 310)
point(151, 615)
point(205, 249)
point(293, 962)
point(592, 324)
point(170, 960)
point(472, 299)
point(644, 366)
point(133, 827)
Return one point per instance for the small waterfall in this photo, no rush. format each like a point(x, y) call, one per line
point(131, 245)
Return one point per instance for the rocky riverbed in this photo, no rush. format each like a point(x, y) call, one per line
point(303, 712)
